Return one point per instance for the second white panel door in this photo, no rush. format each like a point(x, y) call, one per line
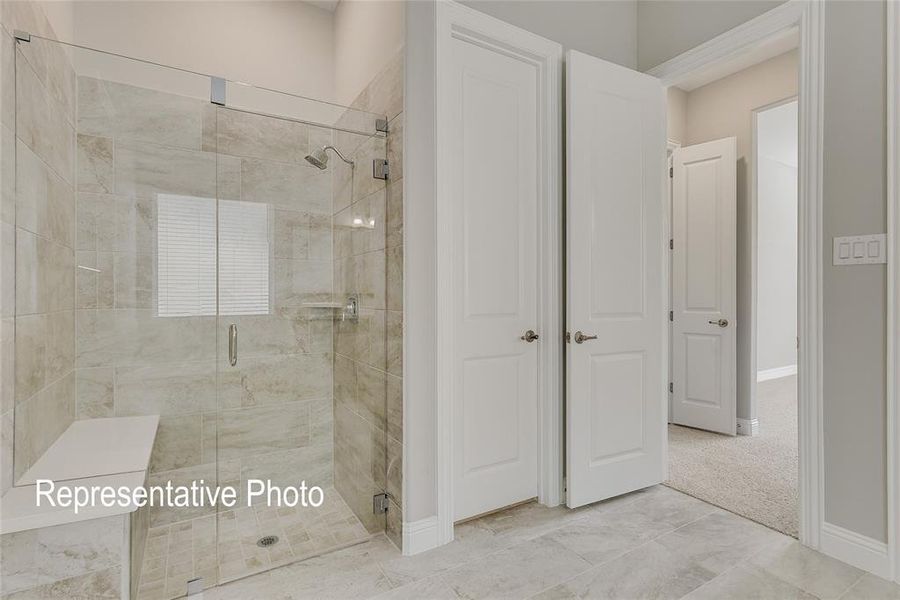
point(704, 286)
point(493, 97)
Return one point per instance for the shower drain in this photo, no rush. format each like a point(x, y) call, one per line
point(267, 541)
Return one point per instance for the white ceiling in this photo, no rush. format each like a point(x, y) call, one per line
point(329, 5)
point(777, 133)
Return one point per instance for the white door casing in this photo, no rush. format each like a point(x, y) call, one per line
point(496, 194)
point(704, 286)
point(616, 202)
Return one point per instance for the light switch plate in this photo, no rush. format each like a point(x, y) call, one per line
point(860, 249)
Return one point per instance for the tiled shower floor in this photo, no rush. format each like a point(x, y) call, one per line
point(182, 551)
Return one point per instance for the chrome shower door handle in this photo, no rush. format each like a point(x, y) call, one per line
point(580, 338)
point(232, 344)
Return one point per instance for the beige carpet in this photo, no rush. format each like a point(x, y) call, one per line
point(755, 477)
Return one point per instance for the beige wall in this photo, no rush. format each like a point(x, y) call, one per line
point(666, 28)
point(285, 46)
point(368, 34)
point(724, 108)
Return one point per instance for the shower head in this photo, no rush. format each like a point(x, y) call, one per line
point(319, 158)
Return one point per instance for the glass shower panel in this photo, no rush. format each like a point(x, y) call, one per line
point(283, 309)
point(117, 188)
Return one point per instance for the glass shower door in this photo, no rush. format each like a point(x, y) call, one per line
point(305, 472)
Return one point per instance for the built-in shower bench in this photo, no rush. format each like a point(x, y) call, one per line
point(103, 452)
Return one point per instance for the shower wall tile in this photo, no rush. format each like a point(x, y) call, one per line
point(291, 234)
point(143, 169)
point(95, 169)
point(95, 393)
point(363, 183)
point(301, 281)
point(42, 125)
point(395, 278)
point(178, 443)
point(395, 342)
point(165, 515)
point(395, 407)
point(45, 203)
point(41, 419)
point(368, 223)
point(394, 236)
point(384, 94)
point(166, 389)
point(8, 80)
point(370, 279)
point(300, 187)
point(395, 147)
point(269, 335)
point(45, 347)
point(228, 175)
point(258, 136)
point(275, 380)
point(138, 336)
point(94, 280)
point(371, 395)
point(7, 172)
point(287, 467)
point(395, 470)
point(52, 64)
point(125, 112)
point(248, 431)
point(46, 562)
point(7, 365)
point(114, 223)
point(44, 275)
point(320, 237)
point(7, 447)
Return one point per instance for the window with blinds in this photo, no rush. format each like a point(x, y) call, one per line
point(186, 247)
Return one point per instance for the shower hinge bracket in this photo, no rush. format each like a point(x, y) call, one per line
point(195, 586)
point(380, 169)
point(379, 504)
point(217, 90)
point(21, 36)
point(381, 125)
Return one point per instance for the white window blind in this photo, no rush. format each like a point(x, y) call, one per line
point(243, 258)
point(186, 246)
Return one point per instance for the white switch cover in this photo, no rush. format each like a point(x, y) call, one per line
point(860, 249)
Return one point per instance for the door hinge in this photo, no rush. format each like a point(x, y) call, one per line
point(671, 244)
point(671, 172)
point(380, 169)
point(380, 504)
point(671, 315)
point(195, 586)
point(671, 388)
point(568, 337)
point(381, 125)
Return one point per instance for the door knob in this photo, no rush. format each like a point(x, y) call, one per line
point(720, 322)
point(580, 338)
point(529, 336)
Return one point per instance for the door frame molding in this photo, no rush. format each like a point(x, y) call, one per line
point(807, 16)
point(455, 21)
point(893, 280)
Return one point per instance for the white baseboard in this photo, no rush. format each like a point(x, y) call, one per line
point(748, 426)
point(421, 535)
point(854, 549)
point(776, 373)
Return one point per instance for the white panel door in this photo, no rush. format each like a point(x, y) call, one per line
point(704, 286)
point(616, 379)
point(492, 96)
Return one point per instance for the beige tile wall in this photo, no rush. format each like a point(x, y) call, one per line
point(368, 354)
point(37, 236)
point(270, 415)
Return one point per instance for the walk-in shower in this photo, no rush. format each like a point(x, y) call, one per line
point(205, 268)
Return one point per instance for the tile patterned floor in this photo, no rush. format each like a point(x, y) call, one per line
point(657, 543)
point(182, 551)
